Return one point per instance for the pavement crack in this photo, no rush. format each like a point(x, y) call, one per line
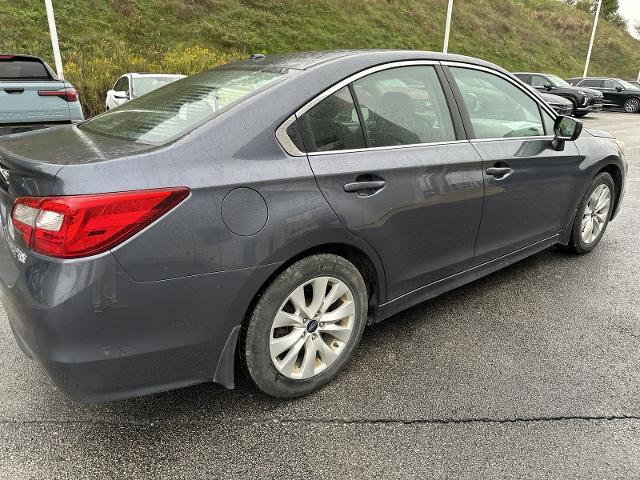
point(320, 421)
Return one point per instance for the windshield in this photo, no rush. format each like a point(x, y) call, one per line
point(144, 85)
point(628, 85)
point(557, 81)
point(179, 107)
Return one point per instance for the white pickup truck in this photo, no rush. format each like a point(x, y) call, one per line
point(32, 96)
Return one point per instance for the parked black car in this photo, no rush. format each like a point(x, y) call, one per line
point(584, 100)
point(617, 92)
point(561, 105)
point(270, 209)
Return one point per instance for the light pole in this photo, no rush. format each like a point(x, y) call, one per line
point(447, 28)
point(54, 38)
point(593, 36)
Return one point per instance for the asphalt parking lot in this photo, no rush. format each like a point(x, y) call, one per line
point(532, 372)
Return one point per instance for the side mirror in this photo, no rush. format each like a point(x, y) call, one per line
point(565, 129)
point(619, 88)
point(548, 86)
point(121, 95)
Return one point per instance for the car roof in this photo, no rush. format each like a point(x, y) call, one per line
point(147, 74)
point(309, 60)
point(531, 73)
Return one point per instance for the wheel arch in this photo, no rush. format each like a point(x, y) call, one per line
point(357, 252)
point(616, 174)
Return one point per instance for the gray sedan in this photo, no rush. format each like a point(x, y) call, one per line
point(270, 209)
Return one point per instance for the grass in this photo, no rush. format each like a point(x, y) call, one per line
point(101, 39)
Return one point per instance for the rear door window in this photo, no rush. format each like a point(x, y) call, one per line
point(592, 83)
point(404, 106)
point(333, 124)
point(496, 107)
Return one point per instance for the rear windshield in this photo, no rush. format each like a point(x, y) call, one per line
point(23, 69)
point(179, 107)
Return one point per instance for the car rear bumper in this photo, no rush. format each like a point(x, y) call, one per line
point(102, 336)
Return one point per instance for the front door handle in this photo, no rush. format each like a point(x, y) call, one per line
point(14, 90)
point(499, 171)
point(365, 185)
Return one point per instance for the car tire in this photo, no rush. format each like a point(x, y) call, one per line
point(592, 216)
point(632, 105)
point(574, 110)
point(315, 356)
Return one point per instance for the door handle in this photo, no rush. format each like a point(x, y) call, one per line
point(364, 185)
point(14, 90)
point(499, 171)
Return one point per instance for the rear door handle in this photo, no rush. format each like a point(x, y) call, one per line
point(14, 90)
point(365, 185)
point(499, 171)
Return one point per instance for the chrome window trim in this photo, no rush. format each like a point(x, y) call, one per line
point(281, 131)
point(386, 147)
point(289, 147)
point(285, 142)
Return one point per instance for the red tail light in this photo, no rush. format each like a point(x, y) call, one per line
point(68, 94)
point(83, 225)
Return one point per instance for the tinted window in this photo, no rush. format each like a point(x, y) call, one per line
point(524, 78)
point(170, 112)
point(119, 86)
point(23, 69)
point(333, 124)
point(609, 84)
point(496, 107)
point(125, 84)
point(144, 85)
point(404, 106)
point(592, 83)
point(538, 81)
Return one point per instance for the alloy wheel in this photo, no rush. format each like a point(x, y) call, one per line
point(312, 327)
point(596, 214)
point(632, 105)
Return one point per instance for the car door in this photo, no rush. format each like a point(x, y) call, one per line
point(529, 186)
point(613, 93)
point(391, 161)
point(597, 84)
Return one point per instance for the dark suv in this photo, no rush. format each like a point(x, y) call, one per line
point(584, 100)
point(617, 92)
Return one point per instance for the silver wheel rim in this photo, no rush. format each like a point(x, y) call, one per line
point(596, 213)
point(632, 106)
point(312, 327)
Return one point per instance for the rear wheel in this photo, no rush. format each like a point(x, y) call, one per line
point(305, 326)
point(632, 105)
point(593, 215)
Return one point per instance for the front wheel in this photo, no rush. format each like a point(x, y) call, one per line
point(593, 215)
point(632, 105)
point(305, 326)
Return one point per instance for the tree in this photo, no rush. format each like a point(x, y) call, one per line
point(608, 11)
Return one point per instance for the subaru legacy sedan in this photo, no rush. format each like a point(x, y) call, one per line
point(270, 209)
